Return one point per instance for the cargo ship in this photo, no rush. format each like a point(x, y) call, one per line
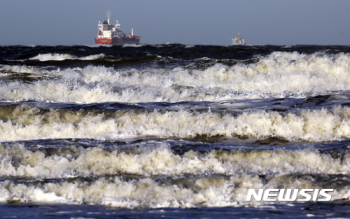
point(111, 34)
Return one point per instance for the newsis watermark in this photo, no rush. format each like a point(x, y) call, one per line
point(286, 195)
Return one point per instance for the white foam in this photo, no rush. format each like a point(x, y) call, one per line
point(52, 57)
point(25, 123)
point(61, 57)
point(92, 57)
point(20, 162)
point(206, 187)
point(147, 193)
point(18, 69)
point(280, 74)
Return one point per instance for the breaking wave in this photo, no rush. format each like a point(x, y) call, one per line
point(23, 123)
point(171, 125)
point(149, 193)
point(61, 57)
point(230, 175)
point(280, 74)
point(154, 158)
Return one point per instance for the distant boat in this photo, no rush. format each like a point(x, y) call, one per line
point(111, 34)
point(238, 40)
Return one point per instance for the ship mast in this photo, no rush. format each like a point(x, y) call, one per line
point(108, 16)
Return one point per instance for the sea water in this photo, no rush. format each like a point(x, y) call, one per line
point(172, 130)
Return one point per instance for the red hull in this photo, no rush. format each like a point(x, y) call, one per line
point(118, 41)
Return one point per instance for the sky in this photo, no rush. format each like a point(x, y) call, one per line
point(206, 22)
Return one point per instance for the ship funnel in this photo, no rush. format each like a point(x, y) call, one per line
point(132, 31)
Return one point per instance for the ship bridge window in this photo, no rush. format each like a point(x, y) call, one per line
point(105, 22)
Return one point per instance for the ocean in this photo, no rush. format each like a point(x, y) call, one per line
point(173, 130)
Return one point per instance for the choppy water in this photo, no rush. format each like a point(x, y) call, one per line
point(172, 130)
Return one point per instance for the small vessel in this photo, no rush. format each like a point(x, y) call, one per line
point(111, 34)
point(238, 40)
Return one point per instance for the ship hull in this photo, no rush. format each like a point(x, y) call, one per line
point(118, 40)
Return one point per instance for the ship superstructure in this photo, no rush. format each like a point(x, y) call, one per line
point(111, 34)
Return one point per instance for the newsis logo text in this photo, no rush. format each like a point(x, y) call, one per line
point(300, 195)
